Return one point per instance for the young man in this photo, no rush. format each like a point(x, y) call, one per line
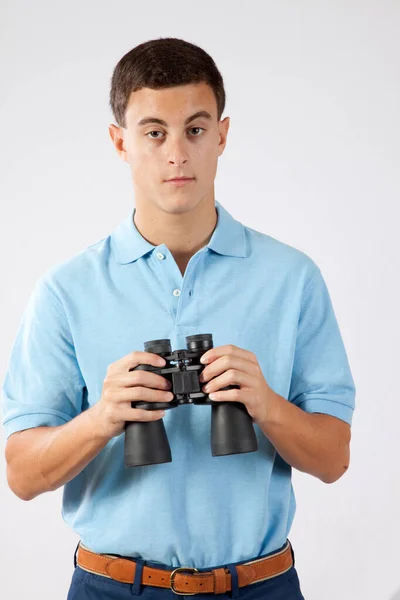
point(178, 265)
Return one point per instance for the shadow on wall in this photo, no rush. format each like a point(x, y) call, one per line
point(396, 596)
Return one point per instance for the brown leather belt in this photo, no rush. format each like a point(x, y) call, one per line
point(217, 581)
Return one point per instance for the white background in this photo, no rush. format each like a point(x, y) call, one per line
point(312, 159)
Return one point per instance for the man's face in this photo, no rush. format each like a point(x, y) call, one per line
point(158, 152)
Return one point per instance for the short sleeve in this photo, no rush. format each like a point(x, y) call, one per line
point(43, 384)
point(321, 377)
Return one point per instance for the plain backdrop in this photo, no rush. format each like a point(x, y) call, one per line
point(312, 159)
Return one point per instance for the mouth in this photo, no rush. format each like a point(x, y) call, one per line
point(180, 180)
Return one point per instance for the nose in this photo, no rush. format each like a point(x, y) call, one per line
point(177, 153)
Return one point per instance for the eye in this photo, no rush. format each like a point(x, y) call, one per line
point(196, 128)
point(148, 134)
point(156, 131)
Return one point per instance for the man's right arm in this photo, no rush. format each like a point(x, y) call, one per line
point(50, 439)
point(42, 459)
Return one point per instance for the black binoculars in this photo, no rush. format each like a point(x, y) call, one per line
point(232, 431)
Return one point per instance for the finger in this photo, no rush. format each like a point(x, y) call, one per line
point(224, 363)
point(230, 350)
point(133, 359)
point(144, 378)
point(230, 377)
point(140, 414)
point(138, 393)
point(228, 396)
point(237, 396)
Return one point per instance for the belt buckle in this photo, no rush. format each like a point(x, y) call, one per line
point(171, 580)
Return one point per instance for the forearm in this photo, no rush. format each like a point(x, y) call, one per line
point(49, 457)
point(304, 441)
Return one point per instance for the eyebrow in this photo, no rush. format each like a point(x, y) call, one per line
point(200, 113)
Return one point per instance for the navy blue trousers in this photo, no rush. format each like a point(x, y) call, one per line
point(90, 586)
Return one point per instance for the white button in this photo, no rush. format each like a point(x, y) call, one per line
point(160, 255)
point(177, 292)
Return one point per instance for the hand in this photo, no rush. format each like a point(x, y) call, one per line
point(231, 365)
point(122, 386)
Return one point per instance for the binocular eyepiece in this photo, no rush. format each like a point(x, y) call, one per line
point(232, 432)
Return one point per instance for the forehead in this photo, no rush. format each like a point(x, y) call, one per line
point(171, 104)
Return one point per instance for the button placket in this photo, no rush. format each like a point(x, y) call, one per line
point(183, 293)
point(171, 274)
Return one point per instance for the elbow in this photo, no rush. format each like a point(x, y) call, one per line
point(331, 478)
point(16, 489)
point(334, 475)
point(337, 471)
point(21, 471)
point(25, 498)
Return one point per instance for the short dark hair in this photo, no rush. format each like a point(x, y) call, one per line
point(159, 64)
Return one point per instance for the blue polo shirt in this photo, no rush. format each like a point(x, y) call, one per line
point(245, 288)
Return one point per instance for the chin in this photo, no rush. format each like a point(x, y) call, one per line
point(179, 203)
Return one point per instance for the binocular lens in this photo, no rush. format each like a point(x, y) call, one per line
point(202, 341)
point(158, 346)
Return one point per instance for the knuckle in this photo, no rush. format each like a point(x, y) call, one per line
point(148, 415)
point(136, 391)
point(109, 380)
point(135, 377)
point(138, 414)
point(147, 393)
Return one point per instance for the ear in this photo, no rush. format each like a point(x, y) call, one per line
point(117, 137)
point(223, 134)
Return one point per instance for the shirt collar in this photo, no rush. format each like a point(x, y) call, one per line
point(228, 238)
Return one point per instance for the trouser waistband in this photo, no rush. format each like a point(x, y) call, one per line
point(186, 580)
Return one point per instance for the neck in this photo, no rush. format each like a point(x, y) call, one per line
point(183, 233)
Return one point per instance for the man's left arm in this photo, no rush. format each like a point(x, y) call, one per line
point(311, 428)
point(314, 443)
point(318, 444)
